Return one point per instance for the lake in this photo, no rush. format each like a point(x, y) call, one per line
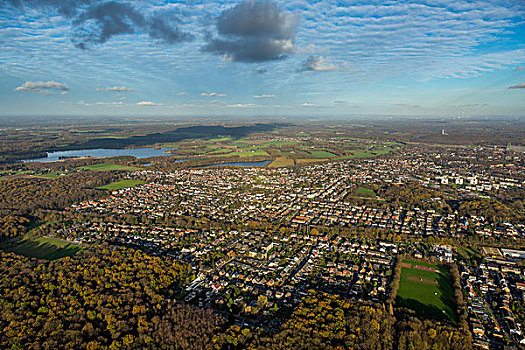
point(144, 152)
point(243, 164)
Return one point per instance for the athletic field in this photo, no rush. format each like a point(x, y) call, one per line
point(426, 289)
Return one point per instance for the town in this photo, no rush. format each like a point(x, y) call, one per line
point(330, 227)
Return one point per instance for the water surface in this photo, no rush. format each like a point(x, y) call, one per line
point(144, 152)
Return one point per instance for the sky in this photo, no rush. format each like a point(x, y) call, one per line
point(262, 58)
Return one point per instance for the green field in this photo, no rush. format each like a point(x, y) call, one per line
point(39, 247)
point(247, 153)
point(366, 192)
point(310, 160)
point(321, 154)
point(118, 185)
point(367, 154)
point(108, 167)
point(278, 143)
point(221, 139)
point(428, 293)
point(281, 162)
point(358, 154)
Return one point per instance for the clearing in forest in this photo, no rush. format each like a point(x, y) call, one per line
point(426, 289)
point(39, 247)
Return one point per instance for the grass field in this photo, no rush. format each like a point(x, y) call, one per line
point(221, 139)
point(280, 162)
point(278, 143)
point(366, 192)
point(358, 154)
point(321, 154)
point(39, 247)
point(367, 153)
point(429, 293)
point(247, 153)
point(310, 160)
point(118, 185)
point(108, 167)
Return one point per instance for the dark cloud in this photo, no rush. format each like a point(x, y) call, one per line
point(102, 21)
point(406, 105)
point(261, 70)
point(254, 31)
point(160, 26)
point(66, 8)
point(471, 105)
point(95, 22)
point(519, 86)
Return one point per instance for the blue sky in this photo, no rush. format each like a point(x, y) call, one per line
point(262, 58)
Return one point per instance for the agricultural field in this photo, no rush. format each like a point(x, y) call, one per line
point(108, 167)
point(322, 154)
point(426, 289)
point(284, 151)
point(39, 247)
point(310, 160)
point(243, 153)
point(281, 162)
point(118, 185)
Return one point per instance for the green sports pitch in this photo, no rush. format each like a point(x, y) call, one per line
point(426, 289)
point(39, 247)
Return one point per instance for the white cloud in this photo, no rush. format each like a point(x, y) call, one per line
point(309, 105)
point(117, 89)
point(44, 88)
point(181, 93)
point(148, 103)
point(319, 64)
point(109, 103)
point(264, 96)
point(422, 39)
point(212, 94)
point(244, 105)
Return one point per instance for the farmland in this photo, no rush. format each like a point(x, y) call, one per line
point(108, 167)
point(284, 152)
point(281, 162)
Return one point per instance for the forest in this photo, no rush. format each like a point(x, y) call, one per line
point(324, 321)
point(98, 299)
point(109, 298)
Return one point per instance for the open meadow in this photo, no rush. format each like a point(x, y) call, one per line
point(39, 247)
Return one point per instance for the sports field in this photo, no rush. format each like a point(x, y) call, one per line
point(426, 289)
point(366, 192)
point(39, 247)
